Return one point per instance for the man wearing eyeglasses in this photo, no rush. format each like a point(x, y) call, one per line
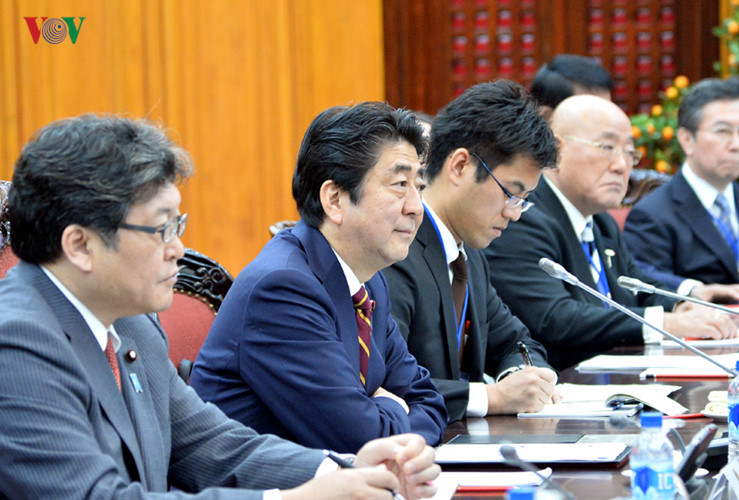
point(90, 405)
point(570, 225)
point(487, 150)
point(688, 228)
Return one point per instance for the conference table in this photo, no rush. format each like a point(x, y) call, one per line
point(589, 482)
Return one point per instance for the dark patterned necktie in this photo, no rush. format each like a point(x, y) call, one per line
point(459, 293)
point(363, 308)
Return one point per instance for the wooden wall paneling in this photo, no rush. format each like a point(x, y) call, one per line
point(698, 47)
point(418, 45)
point(235, 82)
point(9, 112)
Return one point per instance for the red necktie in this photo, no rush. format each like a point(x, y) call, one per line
point(113, 361)
point(363, 307)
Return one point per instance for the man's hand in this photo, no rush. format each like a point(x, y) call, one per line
point(368, 482)
point(380, 392)
point(526, 390)
point(700, 322)
point(408, 457)
point(720, 294)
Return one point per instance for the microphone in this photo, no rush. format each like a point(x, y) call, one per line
point(619, 421)
point(511, 457)
point(557, 271)
point(635, 285)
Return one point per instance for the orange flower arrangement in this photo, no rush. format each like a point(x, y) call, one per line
point(654, 132)
point(728, 33)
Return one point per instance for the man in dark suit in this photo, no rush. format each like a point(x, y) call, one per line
point(569, 225)
point(681, 228)
point(487, 150)
point(566, 75)
point(91, 407)
point(293, 350)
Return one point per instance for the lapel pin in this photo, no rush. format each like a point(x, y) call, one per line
point(135, 381)
point(610, 254)
point(130, 356)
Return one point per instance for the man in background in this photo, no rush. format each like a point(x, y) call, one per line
point(90, 405)
point(687, 229)
point(487, 150)
point(304, 345)
point(569, 225)
point(567, 75)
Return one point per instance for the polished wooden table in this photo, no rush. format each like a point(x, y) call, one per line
point(592, 483)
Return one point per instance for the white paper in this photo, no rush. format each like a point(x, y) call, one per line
point(494, 479)
point(654, 395)
point(605, 362)
point(530, 452)
point(703, 343)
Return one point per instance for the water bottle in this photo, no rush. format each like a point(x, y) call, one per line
point(652, 466)
point(523, 493)
point(733, 400)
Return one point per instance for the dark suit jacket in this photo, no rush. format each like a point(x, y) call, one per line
point(421, 297)
point(283, 353)
point(673, 232)
point(67, 432)
point(572, 324)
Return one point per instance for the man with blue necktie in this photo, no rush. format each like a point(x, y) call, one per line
point(569, 224)
point(688, 228)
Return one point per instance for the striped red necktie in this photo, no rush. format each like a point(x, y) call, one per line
point(363, 307)
point(113, 362)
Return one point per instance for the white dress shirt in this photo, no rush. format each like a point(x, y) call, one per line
point(653, 314)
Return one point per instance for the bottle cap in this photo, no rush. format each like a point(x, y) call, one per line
point(526, 493)
point(651, 419)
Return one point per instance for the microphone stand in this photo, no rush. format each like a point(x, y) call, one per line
point(510, 455)
point(635, 285)
point(556, 271)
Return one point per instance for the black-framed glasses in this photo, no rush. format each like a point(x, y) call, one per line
point(512, 201)
point(168, 231)
point(612, 151)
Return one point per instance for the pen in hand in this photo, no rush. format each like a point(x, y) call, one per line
point(524, 350)
point(344, 464)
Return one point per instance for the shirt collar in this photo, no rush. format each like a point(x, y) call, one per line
point(451, 249)
point(95, 325)
point(351, 279)
point(704, 191)
point(577, 219)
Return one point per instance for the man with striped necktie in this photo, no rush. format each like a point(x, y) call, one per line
point(688, 228)
point(304, 345)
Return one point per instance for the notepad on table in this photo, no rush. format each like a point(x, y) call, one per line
point(539, 453)
point(603, 397)
point(482, 482)
point(606, 362)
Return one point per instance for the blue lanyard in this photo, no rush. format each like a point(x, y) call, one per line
point(728, 235)
point(461, 325)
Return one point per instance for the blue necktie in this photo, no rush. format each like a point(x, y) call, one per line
point(724, 225)
point(591, 253)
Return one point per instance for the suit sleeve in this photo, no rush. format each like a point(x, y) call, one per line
point(650, 243)
point(405, 293)
point(550, 307)
point(505, 331)
point(51, 449)
point(293, 357)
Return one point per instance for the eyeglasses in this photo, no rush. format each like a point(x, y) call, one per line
point(724, 133)
point(512, 201)
point(611, 150)
point(168, 231)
